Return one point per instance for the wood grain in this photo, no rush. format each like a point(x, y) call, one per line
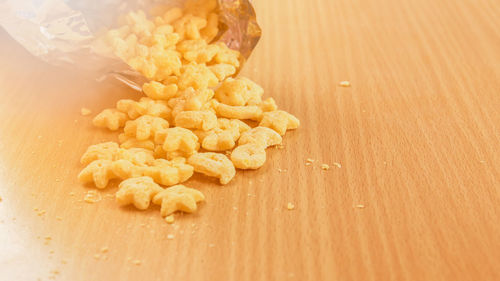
point(417, 137)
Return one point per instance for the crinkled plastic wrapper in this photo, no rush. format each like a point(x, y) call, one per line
point(64, 32)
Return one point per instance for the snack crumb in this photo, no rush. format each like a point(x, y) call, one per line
point(92, 196)
point(325, 167)
point(137, 262)
point(290, 206)
point(345, 84)
point(85, 111)
point(338, 165)
point(360, 206)
point(170, 236)
point(282, 170)
point(59, 218)
point(170, 219)
point(104, 249)
point(97, 256)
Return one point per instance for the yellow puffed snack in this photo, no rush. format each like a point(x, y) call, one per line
point(145, 127)
point(111, 119)
point(172, 15)
point(145, 106)
point(139, 23)
point(161, 171)
point(213, 165)
point(138, 156)
point(197, 51)
point(137, 191)
point(100, 172)
point(249, 156)
point(178, 198)
point(197, 76)
point(167, 62)
point(212, 29)
point(260, 135)
point(101, 151)
point(169, 172)
point(239, 92)
point(222, 70)
point(189, 26)
point(111, 151)
point(223, 137)
point(190, 100)
point(177, 139)
point(201, 120)
point(251, 112)
point(280, 121)
point(158, 91)
point(227, 56)
point(128, 142)
point(268, 104)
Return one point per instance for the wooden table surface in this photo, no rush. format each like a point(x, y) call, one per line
point(417, 196)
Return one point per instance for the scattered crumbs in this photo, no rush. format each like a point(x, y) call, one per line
point(338, 165)
point(345, 84)
point(71, 193)
point(59, 218)
point(235, 208)
point(482, 161)
point(39, 137)
point(92, 196)
point(58, 180)
point(85, 111)
point(40, 212)
point(33, 152)
point(282, 170)
point(290, 206)
point(60, 142)
point(325, 167)
point(170, 219)
point(310, 160)
point(129, 259)
point(97, 256)
point(104, 249)
point(211, 245)
point(137, 262)
point(360, 206)
point(47, 240)
point(51, 251)
point(279, 146)
point(170, 236)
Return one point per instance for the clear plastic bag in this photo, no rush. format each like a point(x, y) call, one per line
point(63, 32)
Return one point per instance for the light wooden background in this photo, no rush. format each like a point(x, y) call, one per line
point(417, 136)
